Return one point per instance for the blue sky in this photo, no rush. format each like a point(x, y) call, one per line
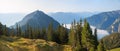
point(26, 6)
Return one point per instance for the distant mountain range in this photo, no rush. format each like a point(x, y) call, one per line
point(106, 20)
point(37, 19)
point(103, 20)
point(68, 17)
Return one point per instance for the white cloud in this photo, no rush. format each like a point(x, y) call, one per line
point(101, 33)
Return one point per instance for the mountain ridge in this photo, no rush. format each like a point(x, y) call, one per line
point(105, 20)
point(62, 17)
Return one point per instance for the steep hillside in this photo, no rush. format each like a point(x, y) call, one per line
point(105, 20)
point(23, 44)
point(115, 24)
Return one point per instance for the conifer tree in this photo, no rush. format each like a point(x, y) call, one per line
point(74, 37)
point(12, 32)
point(37, 33)
point(63, 37)
point(79, 30)
point(65, 34)
point(57, 34)
point(5, 30)
point(101, 47)
point(78, 44)
point(27, 31)
point(92, 49)
point(50, 32)
point(1, 29)
point(17, 29)
point(96, 38)
point(43, 33)
point(30, 32)
point(87, 37)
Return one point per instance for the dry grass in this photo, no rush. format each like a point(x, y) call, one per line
point(116, 49)
point(23, 44)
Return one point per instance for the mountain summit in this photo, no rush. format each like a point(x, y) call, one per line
point(37, 19)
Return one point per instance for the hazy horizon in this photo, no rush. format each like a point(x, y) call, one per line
point(7, 18)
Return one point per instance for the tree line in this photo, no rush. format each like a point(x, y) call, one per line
point(80, 36)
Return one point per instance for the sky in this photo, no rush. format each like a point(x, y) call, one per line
point(26, 6)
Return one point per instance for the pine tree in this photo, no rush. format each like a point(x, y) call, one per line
point(17, 30)
point(72, 35)
point(87, 37)
point(96, 38)
point(12, 32)
point(78, 44)
point(101, 47)
point(63, 36)
point(43, 34)
point(92, 49)
point(75, 36)
point(1, 33)
point(72, 39)
point(27, 31)
point(5, 31)
point(79, 30)
point(30, 32)
point(37, 33)
point(57, 34)
point(50, 32)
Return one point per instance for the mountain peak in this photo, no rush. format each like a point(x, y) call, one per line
point(37, 19)
point(36, 14)
point(38, 11)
